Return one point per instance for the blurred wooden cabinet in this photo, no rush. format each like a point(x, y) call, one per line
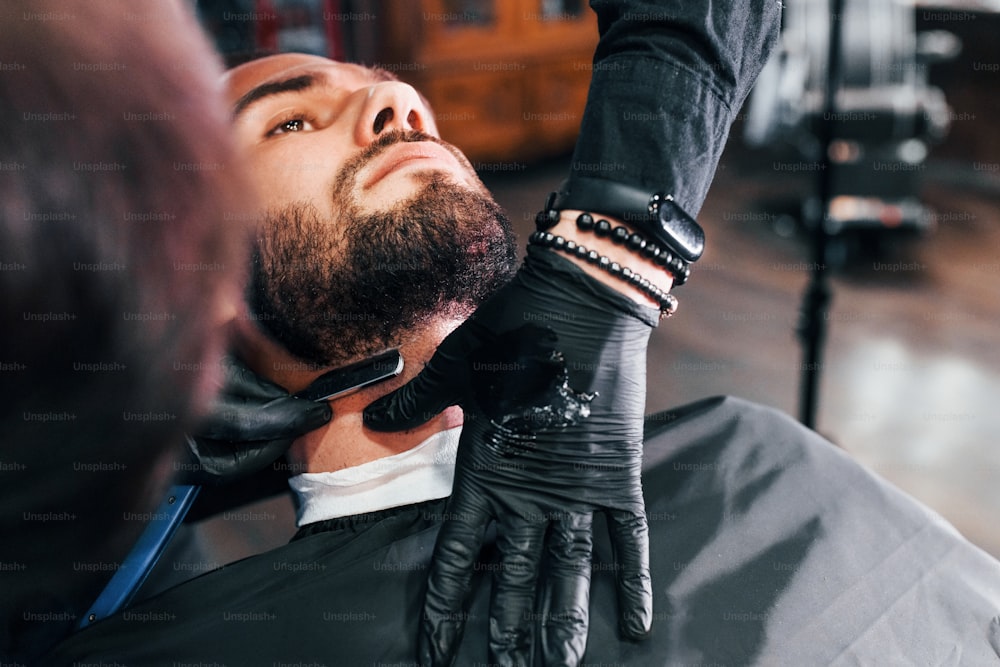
point(507, 78)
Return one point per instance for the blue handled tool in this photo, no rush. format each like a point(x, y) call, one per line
point(144, 555)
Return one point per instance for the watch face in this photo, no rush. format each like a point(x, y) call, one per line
point(687, 236)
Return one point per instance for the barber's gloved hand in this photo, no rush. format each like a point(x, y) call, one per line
point(551, 375)
point(251, 423)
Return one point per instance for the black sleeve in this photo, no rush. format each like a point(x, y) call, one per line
point(669, 78)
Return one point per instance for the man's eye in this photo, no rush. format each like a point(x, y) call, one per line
point(297, 124)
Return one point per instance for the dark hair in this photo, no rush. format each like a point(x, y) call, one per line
point(120, 244)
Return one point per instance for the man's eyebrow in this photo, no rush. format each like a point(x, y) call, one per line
point(272, 88)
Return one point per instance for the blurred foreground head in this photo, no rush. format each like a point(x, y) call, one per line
point(119, 258)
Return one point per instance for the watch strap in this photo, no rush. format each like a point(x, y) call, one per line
point(656, 214)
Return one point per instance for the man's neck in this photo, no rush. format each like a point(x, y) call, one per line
point(344, 441)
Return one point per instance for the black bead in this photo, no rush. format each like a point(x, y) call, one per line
point(669, 305)
point(602, 228)
point(615, 268)
point(605, 262)
point(570, 245)
point(546, 219)
point(581, 252)
point(627, 273)
point(559, 243)
point(585, 221)
point(593, 257)
point(650, 251)
point(684, 275)
point(619, 235)
point(547, 238)
point(663, 258)
point(636, 242)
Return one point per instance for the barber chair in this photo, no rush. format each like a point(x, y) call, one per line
point(886, 115)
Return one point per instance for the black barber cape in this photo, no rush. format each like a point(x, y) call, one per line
point(768, 545)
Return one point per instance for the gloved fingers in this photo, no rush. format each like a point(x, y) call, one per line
point(512, 609)
point(455, 553)
point(212, 461)
point(444, 381)
point(238, 419)
point(411, 405)
point(629, 534)
point(566, 602)
point(239, 380)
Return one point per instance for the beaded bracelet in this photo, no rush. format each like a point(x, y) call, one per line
point(667, 302)
point(679, 270)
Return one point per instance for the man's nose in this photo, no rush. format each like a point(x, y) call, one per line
point(391, 106)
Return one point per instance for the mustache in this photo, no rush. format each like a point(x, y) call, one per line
point(345, 177)
point(393, 137)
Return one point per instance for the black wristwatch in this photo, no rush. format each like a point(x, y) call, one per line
point(656, 215)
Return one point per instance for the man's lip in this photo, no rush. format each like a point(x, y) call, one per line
point(404, 152)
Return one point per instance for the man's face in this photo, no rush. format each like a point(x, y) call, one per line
point(372, 224)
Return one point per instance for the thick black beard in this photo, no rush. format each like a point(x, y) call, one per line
point(331, 293)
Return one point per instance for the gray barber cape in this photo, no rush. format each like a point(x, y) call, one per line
point(768, 546)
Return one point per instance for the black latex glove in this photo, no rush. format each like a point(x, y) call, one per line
point(252, 423)
point(551, 374)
